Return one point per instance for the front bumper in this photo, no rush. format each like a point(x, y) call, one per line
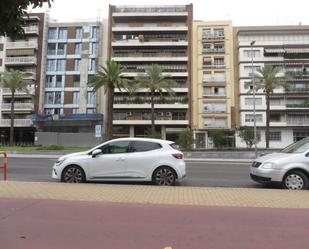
point(266, 175)
point(56, 173)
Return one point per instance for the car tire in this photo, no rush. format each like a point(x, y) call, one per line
point(295, 180)
point(164, 176)
point(73, 174)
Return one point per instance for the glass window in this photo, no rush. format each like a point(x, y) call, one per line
point(76, 80)
point(59, 81)
point(91, 98)
point(74, 110)
point(60, 65)
point(93, 48)
point(76, 65)
point(250, 118)
point(249, 101)
point(78, 48)
point(52, 33)
point(275, 136)
point(49, 81)
point(94, 32)
point(61, 49)
point(78, 32)
point(140, 146)
point(51, 49)
point(75, 97)
point(51, 65)
point(49, 98)
point(91, 65)
point(57, 97)
point(62, 33)
point(116, 147)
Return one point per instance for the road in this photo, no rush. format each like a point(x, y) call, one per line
point(199, 174)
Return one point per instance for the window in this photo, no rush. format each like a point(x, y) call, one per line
point(62, 33)
point(76, 65)
point(76, 80)
point(57, 97)
point(206, 48)
point(275, 136)
point(206, 32)
point(60, 65)
point(252, 53)
point(52, 33)
point(78, 32)
point(51, 65)
point(219, 61)
point(49, 81)
point(49, 98)
point(78, 48)
point(219, 91)
point(250, 118)
point(248, 70)
point(248, 85)
point(249, 101)
point(74, 110)
point(91, 65)
point(75, 97)
point(93, 48)
point(219, 32)
point(61, 49)
point(51, 49)
point(58, 81)
point(91, 98)
point(208, 107)
point(94, 32)
point(140, 146)
point(220, 107)
point(116, 147)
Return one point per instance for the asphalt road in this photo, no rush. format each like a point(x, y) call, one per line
point(199, 174)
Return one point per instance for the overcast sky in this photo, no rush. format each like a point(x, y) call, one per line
point(241, 12)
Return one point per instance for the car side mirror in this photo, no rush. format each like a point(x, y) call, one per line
point(96, 152)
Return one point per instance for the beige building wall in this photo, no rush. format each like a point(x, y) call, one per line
point(213, 102)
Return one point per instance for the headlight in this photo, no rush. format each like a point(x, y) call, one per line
point(59, 162)
point(268, 165)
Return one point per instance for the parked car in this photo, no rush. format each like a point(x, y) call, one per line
point(290, 166)
point(124, 159)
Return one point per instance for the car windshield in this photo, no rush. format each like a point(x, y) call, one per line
point(298, 147)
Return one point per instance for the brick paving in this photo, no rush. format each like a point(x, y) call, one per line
point(145, 194)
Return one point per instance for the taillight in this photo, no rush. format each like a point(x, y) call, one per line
point(178, 155)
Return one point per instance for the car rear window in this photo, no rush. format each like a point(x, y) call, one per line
point(140, 146)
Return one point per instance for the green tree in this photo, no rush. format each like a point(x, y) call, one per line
point(247, 135)
point(13, 13)
point(186, 139)
point(14, 80)
point(109, 77)
point(153, 133)
point(155, 82)
point(267, 79)
point(219, 138)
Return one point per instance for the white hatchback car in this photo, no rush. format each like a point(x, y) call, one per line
point(124, 159)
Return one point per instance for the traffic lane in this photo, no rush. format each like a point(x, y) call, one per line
point(199, 174)
point(109, 225)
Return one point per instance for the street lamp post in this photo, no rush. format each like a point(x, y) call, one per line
point(253, 84)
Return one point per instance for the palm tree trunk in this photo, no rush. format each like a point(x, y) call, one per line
point(267, 120)
point(109, 115)
point(152, 112)
point(12, 119)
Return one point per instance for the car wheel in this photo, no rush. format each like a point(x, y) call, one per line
point(295, 180)
point(73, 174)
point(164, 176)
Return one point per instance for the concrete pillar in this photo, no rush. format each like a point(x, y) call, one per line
point(132, 131)
point(163, 132)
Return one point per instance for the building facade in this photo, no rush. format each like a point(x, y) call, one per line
point(213, 104)
point(141, 36)
point(285, 47)
point(67, 103)
point(25, 55)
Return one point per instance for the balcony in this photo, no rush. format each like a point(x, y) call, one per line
point(151, 27)
point(213, 36)
point(7, 92)
point(150, 11)
point(22, 45)
point(18, 107)
point(67, 117)
point(214, 79)
point(136, 43)
point(17, 122)
point(213, 51)
point(31, 30)
point(20, 60)
point(213, 65)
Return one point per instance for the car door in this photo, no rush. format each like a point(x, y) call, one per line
point(111, 163)
point(144, 157)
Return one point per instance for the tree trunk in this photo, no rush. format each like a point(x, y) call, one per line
point(267, 120)
point(12, 119)
point(152, 112)
point(108, 119)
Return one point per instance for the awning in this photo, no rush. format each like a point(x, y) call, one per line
point(297, 50)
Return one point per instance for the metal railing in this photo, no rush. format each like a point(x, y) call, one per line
point(151, 9)
point(20, 59)
point(33, 29)
point(22, 44)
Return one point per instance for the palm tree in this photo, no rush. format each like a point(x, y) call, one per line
point(155, 82)
point(14, 80)
point(110, 78)
point(267, 79)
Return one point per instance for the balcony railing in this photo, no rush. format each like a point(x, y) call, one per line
point(18, 106)
point(20, 60)
point(213, 65)
point(151, 38)
point(164, 9)
point(216, 36)
point(17, 122)
point(7, 91)
point(214, 79)
point(214, 50)
point(165, 68)
point(147, 100)
point(33, 29)
point(23, 44)
point(165, 54)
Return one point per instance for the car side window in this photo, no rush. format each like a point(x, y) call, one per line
point(116, 147)
point(142, 146)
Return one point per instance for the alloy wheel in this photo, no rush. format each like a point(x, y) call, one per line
point(165, 177)
point(73, 175)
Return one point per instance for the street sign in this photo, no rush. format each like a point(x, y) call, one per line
point(98, 131)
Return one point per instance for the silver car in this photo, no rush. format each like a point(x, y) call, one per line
point(290, 166)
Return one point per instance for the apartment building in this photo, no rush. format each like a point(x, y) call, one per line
point(145, 35)
point(286, 47)
point(68, 104)
point(24, 55)
point(213, 103)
